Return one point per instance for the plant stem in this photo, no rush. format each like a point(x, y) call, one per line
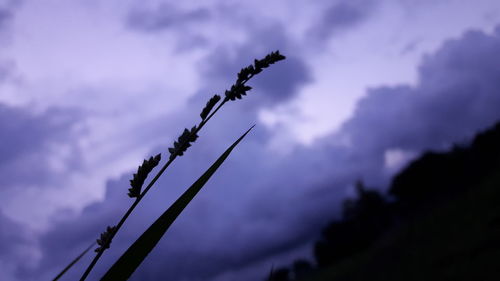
point(73, 262)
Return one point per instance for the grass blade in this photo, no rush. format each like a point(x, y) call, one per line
point(137, 252)
point(73, 262)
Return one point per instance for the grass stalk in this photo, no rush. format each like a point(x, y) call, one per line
point(237, 90)
point(73, 262)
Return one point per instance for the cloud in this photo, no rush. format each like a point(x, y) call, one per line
point(164, 17)
point(30, 142)
point(6, 70)
point(167, 17)
point(341, 16)
point(280, 83)
point(68, 238)
point(40, 158)
point(17, 248)
point(7, 14)
point(261, 203)
point(457, 95)
point(5, 17)
point(7, 11)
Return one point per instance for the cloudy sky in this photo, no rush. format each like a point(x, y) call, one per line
point(90, 88)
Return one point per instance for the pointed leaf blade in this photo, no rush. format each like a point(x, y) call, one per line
point(137, 252)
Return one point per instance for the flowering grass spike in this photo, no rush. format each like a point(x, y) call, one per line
point(105, 240)
point(210, 104)
point(184, 141)
point(142, 173)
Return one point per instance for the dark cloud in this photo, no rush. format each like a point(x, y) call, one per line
point(170, 17)
point(12, 237)
point(410, 47)
point(340, 16)
point(17, 246)
point(7, 11)
point(260, 204)
point(70, 237)
point(6, 70)
point(277, 84)
point(458, 93)
point(164, 17)
point(5, 17)
point(7, 14)
point(28, 140)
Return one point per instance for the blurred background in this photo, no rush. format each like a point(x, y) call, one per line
point(88, 89)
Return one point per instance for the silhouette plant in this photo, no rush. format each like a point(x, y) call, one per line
point(139, 250)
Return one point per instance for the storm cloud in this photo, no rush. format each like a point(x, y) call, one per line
point(164, 16)
point(280, 83)
point(458, 93)
point(31, 139)
point(75, 120)
point(284, 200)
point(17, 248)
point(341, 16)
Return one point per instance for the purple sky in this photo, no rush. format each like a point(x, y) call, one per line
point(89, 88)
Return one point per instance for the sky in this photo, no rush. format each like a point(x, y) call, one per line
point(90, 88)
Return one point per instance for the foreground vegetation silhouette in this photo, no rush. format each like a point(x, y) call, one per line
point(439, 221)
point(137, 252)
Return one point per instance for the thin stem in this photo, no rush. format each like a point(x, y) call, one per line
point(73, 262)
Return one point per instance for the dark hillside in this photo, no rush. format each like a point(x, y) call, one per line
point(443, 222)
point(438, 176)
point(446, 220)
point(459, 240)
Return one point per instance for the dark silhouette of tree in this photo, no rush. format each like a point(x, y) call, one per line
point(301, 268)
point(427, 181)
point(438, 176)
point(280, 274)
point(364, 219)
